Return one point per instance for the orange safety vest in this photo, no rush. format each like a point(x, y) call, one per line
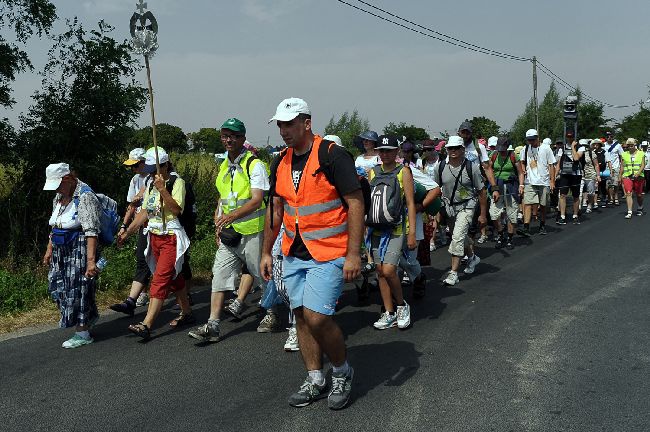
point(316, 208)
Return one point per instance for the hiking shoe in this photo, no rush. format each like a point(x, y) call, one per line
point(510, 245)
point(451, 279)
point(341, 389)
point(235, 308)
point(576, 220)
point(126, 307)
point(524, 232)
point(464, 259)
point(639, 212)
point(482, 239)
point(206, 333)
point(589, 210)
point(143, 300)
point(76, 341)
point(498, 243)
point(268, 324)
point(291, 345)
point(386, 321)
point(471, 264)
point(616, 202)
point(308, 393)
point(432, 246)
point(405, 279)
point(403, 316)
point(628, 215)
point(542, 230)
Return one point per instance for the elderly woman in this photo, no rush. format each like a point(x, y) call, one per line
point(72, 252)
point(167, 242)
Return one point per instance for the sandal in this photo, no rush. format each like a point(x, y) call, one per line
point(140, 329)
point(182, 320)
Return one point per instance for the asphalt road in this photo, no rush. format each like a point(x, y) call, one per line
point(552, 336)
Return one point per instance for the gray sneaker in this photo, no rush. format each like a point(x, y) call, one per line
point(143, 299)
point(307, 394)
point(341, 389)
point(206, 333)
point(268, 324)
point(235, 308)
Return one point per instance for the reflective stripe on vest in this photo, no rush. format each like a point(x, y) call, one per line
point(319, 234)
point(314, 208)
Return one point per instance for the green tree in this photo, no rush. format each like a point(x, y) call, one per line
point(551, 123)
point(81, 116)
point(347, 127)
point(207, 140)
point(170, 137)
point(635, 125)
point(23, 18)
point(484, 127)
point(411, 132)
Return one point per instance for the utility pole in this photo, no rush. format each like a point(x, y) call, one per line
point(535, 94)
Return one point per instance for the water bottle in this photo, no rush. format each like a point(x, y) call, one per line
point(101, 264)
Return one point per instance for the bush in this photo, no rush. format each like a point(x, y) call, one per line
point(21, 290)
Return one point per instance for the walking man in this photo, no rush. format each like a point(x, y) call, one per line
point(321, 206)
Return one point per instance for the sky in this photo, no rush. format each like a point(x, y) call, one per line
point(239, 58)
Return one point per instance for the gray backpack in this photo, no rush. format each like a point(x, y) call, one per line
point(386, 204)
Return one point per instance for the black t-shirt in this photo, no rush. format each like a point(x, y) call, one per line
point(345, 178)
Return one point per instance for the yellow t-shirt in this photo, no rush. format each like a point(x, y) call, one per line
point(400, 178)
point(151, 203)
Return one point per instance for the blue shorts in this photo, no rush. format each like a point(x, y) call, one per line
point(313, 284)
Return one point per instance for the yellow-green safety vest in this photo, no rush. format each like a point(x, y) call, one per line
point(239, 184)
point(630, 166)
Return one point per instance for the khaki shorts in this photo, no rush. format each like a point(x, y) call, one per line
point(505, 203)
point(228, 262)
point(534, 194)
point(459, 237)
point(613, 181)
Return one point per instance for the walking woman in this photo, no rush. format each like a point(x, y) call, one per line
point(72, 252)
point(167, 242)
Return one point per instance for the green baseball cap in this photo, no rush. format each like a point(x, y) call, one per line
point(234, 125)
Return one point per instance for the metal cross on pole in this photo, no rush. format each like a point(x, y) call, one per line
point(144, 33)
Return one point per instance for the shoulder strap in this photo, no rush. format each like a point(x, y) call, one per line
point(441, 167)
point(468, 167)
point(460, 174)
point(170, 184)
point(249, 162)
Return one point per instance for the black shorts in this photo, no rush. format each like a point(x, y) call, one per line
point(142, 272)
point(569, 181)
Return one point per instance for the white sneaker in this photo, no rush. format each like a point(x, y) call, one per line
point(471, 264)
point(432, 246)
point(589, 210)
point(628, 215)
point(386, 321)
point(464, 259)
point(482, 239)
point(403, 316)
point(143, 299)
point(452, 279)
point(291, 345)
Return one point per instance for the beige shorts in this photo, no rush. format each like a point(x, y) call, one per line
point(534, 194)
point(228, 262)
point(505, 203)
point(613, 181)
point(459, 238)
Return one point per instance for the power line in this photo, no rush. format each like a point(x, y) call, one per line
point(452, 41)
point(442, 37)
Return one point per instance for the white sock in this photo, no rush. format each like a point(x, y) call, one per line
point(84, 334)
point(317, 377)
point(344, 369)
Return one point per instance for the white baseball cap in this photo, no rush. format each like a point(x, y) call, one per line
point(289, 109)
point(531, 133)
point(492, 141)
point(135, 156)
point(455, 141)
point(335, 139)
point(583, 142)
point(150, 159)
point(547, 141)
point(54, 173)
point(644, 143)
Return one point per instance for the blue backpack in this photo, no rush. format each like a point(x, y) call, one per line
point(109, 218)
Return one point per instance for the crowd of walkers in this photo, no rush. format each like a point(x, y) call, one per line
point(316, 218)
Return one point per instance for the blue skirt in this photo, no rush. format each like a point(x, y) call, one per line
point(70, 290)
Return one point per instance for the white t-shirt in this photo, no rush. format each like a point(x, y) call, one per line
point(472, 155)
point(647, 160)
point(613, 156)
point(542, 157)
point(137, 183)
point(259, 177)
point(366, 164)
